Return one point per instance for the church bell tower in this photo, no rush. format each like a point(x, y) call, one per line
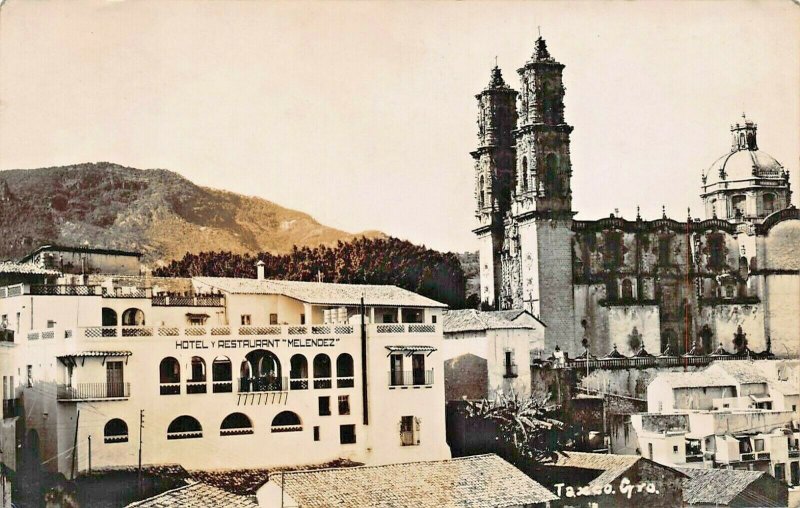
point(494, 162)
point(538, 263)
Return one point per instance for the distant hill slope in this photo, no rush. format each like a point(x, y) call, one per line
point(154, 211)
point(470, 263)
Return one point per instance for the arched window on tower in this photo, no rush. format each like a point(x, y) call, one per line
point(552, 180)
point(627, 289)
point(524, 174)
point(481, 193)
point(742, 144)
point(768, 202)
point(738, 206)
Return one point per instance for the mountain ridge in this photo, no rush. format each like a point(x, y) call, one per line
point(157, 212)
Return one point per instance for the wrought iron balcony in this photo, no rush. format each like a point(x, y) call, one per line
point(411, 377)
point(263, 384)
point(93, 391)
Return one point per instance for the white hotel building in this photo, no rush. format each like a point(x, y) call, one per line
point(233, 373)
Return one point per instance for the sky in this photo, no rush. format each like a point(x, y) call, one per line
point(363, 114)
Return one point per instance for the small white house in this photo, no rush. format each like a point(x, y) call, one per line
point(489, 352)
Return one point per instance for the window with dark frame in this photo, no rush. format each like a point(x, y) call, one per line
point(316, 433)
point(347, 434)
point(245, 320)
point(344, 404)
point(324, 406)
point(273, 319)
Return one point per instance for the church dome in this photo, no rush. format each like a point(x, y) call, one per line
point(743, 164)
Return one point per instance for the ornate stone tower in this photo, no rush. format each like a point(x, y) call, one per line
point(538, 262)
point(494, 177)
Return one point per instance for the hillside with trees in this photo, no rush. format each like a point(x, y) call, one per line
point(361, 261)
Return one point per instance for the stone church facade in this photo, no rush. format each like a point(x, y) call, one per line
point(732, 278)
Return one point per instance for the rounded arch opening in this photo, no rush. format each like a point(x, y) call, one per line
point(261, 372)
point(109, 317)
point(169, 370)
point(133, 317)
point(115, 431)
point(184, 427)
point(286, 421)
point(344, 365)
point(236, 424)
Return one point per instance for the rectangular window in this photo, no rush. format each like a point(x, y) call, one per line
point(433, 319)
point(273, 319)
point(302, 319)
point(716, 252)
point(51, 323)
point(246, 320)
point(17, 325)
point(759, 444)
point(418, 369)
point(344, 404)
point(30, 376)
point(396, 373)
point(780, 472)
point(613, 250)
point(663, 251)
point(409, 431)
point(347, 434)
point(324, 406)
point(316, 433)
point(389, 318)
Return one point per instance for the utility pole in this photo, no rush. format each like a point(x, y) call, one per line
point(90, 454)
point(75, 443)
point(141, 426)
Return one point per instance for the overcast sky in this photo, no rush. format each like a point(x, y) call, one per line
point(363, 114)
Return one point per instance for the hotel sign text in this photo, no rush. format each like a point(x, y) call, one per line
point(254, 343)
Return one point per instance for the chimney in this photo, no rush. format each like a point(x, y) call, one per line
point(260, 270)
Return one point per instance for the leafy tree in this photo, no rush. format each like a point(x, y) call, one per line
point(361, 261)
point(522, 425)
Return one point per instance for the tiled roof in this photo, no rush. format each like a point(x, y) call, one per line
point(716, 486)
point(87, 354)
point(612, 466)
point(25, 268)
point(741, 370)
point(471, 320)
point(784, 387)
point(695, 379)
point(322, 293)
point(89, 250)
point(196, 495)
point(477, 481)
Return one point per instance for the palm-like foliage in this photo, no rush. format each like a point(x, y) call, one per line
point(520, 422)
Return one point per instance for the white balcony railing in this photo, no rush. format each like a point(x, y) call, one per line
point(299, 331)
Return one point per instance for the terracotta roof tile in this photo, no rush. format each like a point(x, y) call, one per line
point(470, 320)
point(323, 293)
point(715, 486)
point(196, 495)
point(478, 481)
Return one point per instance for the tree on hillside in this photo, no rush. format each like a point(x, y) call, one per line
point(361, 261)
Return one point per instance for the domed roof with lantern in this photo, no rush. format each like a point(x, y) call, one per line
point(745, 160)
point(729, 183)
